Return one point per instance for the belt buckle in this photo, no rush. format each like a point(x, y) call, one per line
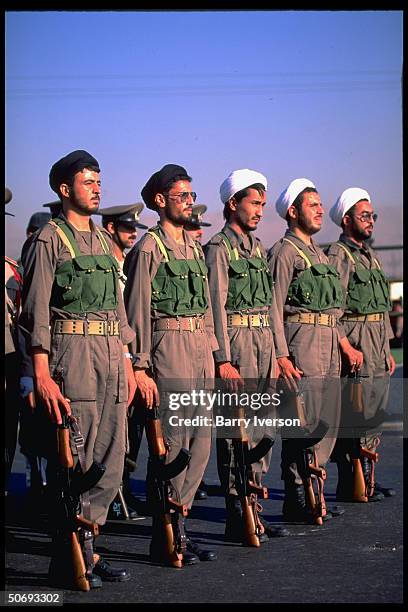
point(261, 320)
point(110, 328)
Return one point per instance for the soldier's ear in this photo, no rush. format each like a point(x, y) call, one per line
point(292, 212)
point(64, 189)
point(232, 203)
point(160, 200)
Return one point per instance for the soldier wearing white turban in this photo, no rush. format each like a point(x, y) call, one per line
point(366, 331)
point(308, 299)
point(241, 296)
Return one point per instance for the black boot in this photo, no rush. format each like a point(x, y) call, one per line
point(386, 491)
point(372, 494)
point(273, 531)
point(294, 508)
point(234, 525)
point(202, 554)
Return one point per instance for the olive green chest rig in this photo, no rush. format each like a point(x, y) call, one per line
point(368, 289)
point(317, 288)
point(179, 287)
point(250, 281)
point(84, 283)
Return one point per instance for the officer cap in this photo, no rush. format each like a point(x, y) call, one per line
point(158, 182)
point(55, 207)
point(127, 214)
point(7, 199)
point(38, 219)
point(195, 221)
point(65, 168)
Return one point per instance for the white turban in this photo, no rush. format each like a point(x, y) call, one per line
point(348, 198)
point(240, 179)
point(289, 195)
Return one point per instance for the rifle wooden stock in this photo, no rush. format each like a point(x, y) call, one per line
point(300, 409)
point(64, 449)
point(155, 437)
point(78, 565)
point(359, 483)
point(172, 557)
point(356, 394)
point(250, 535)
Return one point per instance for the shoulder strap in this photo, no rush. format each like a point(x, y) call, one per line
point(346, 250)
point(258, 251)
point(160, 245)
point(231, 251)
point(196, 251)
point(301, 253)
point(65, 239)
point(102, 241)
point(377, 262)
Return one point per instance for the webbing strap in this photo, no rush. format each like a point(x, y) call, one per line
point(345, 249)
point(160, 245)
point(64, 238)
point(301, 253)
point(102, 240)
point(229, 248)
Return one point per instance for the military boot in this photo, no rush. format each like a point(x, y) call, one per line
point(294, 508)
point(345, 482)
point(234, 525)
point(193, 547)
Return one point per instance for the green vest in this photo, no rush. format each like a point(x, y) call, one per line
point(317, 288)
point(250, 281)
point(179, 287)
point(85, 282)
point(368, 290)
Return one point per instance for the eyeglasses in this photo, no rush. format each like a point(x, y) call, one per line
point(367, 216)
point(184, 195)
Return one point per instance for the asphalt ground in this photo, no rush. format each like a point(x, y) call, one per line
point(353, 558)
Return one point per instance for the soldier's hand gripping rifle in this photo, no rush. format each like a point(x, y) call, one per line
point(74, 528)
point(168, 544)
point(248, 491)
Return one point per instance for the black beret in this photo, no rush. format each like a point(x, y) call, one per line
point(159, 180)
point(39, 219)
point(65, 168)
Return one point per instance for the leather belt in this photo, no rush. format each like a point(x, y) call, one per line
point(312, 318)
point(375, 316)
point(83, 328)
point(180, 324)
point(248, 320)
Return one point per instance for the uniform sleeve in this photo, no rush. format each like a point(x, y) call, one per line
point(209, 317)
point(39, 272)
point(217, 263)
point(339, 259)
point(126, 332)
point(137, 298)
point(281, 267)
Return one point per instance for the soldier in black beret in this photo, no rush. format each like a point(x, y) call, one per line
point(77, 328)
point(195, 223)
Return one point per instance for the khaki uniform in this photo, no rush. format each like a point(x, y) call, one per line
point(370, 337)
point(314, 349)
point(179, 359)
point(249, 349)
point(94, 368)
point(13, 286)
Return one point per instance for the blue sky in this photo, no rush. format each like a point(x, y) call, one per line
point(288, 93)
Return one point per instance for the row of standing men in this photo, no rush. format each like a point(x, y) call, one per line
point(231, 311)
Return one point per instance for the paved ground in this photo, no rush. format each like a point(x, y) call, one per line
point(353, 558)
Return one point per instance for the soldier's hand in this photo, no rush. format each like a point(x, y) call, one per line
point(392, 365)
point(289, 372)
point(130, 381)
point(147, 388)
point(230, 376)
point(50, 395)
point(355, 359)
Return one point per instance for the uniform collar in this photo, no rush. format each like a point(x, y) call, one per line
point(353, 246)
point(239, 240)
point(292, 236)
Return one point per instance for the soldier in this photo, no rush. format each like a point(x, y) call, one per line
point(366, 325)
point(242, 323)
point(121, 224)
point(13, 287)
point(166, 278)
point(194, 228)
point(74, 315)
point(309, 298)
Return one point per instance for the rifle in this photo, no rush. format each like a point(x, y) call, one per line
point(312, 475)
point(74, 530)
point(166, 545)
point(356, 392)
point(248, 491)
point(362, 489)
